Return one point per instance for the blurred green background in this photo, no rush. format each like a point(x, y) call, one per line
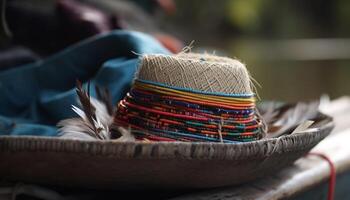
point(296, 49)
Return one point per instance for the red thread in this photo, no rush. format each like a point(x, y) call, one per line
point(163, 113)
point(332, 176)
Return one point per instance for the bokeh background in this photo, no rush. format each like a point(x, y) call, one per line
point(296, 49)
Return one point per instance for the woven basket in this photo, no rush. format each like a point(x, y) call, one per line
point(116, 165)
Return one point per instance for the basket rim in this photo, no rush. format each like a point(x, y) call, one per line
point(167, 150)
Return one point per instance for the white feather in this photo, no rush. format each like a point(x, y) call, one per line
point(127, 136)
point(79, 111)
point(81, 128)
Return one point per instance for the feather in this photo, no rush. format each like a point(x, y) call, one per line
point(284, 119)
point(101, 112)
point(95, 119)
point(126, 135)
point(76, 126)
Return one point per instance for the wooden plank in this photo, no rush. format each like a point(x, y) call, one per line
point(339, 109)
point(306, 173)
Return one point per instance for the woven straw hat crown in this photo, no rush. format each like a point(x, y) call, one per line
point(201, 72)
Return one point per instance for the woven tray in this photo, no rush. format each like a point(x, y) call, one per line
point(115, 165)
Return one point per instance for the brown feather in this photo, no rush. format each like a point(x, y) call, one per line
point(88, 108)
point(96, 117)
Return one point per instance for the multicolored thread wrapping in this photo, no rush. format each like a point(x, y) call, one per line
point(157, 112)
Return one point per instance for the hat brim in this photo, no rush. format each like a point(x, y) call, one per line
point(138, 165)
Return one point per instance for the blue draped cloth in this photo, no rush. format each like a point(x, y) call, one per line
point(34, 97)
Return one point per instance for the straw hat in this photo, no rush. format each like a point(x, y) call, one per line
point(191, 97)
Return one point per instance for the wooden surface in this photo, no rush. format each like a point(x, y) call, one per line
point(306, 174)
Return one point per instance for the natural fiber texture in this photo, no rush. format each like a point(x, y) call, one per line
point(202, 72)
point(138, 165)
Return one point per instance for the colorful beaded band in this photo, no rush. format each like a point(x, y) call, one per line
point(160, 113)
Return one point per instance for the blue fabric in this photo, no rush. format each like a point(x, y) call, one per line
point(34, 97)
